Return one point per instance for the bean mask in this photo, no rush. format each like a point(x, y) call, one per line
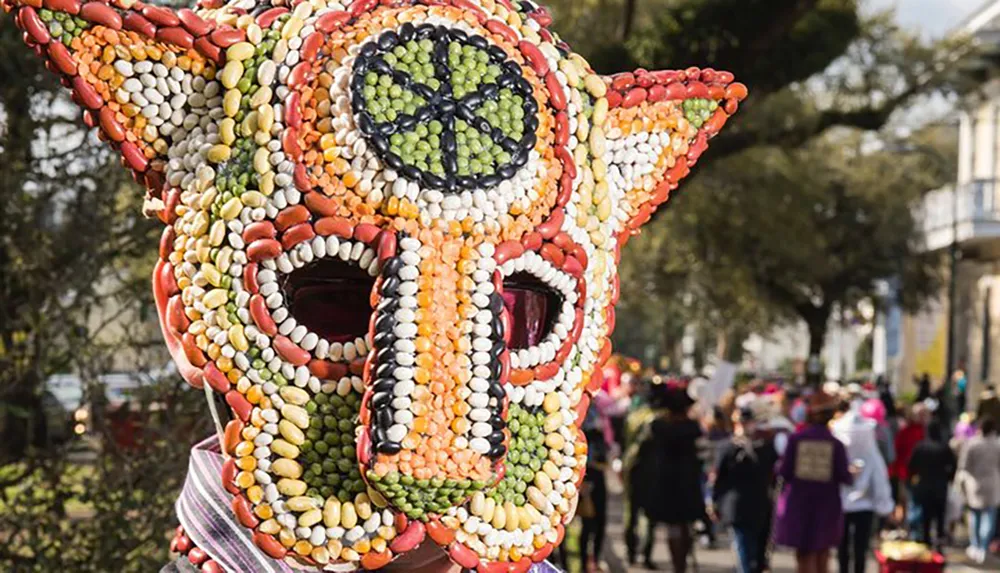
point(391, 237)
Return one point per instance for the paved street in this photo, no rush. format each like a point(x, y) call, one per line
point(720, 559)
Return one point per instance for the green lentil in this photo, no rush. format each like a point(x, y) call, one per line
point(526, 449)
point(698, 110)
point(421, 498)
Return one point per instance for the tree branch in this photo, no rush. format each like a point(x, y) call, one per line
point(868, 118)
point(777, 29)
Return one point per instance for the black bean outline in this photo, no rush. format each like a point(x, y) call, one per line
point(442, 105)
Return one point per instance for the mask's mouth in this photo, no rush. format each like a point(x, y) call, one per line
point(331, 298)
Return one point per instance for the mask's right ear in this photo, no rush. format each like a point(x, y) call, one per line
point(141, 73)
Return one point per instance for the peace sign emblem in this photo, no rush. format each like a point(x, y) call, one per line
point(444, 107)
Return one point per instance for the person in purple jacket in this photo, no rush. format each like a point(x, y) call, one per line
point(809, 516)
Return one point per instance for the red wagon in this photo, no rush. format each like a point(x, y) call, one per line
point(886, 565)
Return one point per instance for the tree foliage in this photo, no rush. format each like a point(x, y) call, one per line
point(105, 509)
point(818, 227)
point(768, 228)
point(75, 256)
point(811, 65)
point(671, 275)
point(73, 242)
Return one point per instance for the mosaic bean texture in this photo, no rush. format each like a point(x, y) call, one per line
point(391, 236)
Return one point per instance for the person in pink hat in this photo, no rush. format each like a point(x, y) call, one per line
point(874, 410)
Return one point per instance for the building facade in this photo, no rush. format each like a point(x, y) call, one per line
point(964, 216)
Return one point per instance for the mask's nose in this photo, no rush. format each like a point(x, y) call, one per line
point(436, 410)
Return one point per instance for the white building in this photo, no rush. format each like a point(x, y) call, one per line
point(968, 214)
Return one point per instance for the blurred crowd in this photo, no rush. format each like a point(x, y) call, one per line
point(843, 468)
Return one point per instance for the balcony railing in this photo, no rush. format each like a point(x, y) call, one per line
point(976, 216)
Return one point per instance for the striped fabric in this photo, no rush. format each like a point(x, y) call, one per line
point(204, 511)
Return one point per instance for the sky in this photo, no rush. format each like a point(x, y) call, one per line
point(933, 17)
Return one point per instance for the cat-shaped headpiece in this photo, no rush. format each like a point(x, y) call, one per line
point(391, 240)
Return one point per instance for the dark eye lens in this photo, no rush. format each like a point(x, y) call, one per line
point(532, 305)
point(331, 298)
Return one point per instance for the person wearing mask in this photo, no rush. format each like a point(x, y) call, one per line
point(809, 516)
point(979, 481)
point(428, 557)
point(797, 414)
point(741, 494)
point(869, 494)
point(667, 474)
point(932, 467)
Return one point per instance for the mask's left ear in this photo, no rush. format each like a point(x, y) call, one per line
point(656, 126)
point(139, 72)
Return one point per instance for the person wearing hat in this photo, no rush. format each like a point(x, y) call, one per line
point(989, 405)
point(741, 494)
point(665, 481)
point(809, 515)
